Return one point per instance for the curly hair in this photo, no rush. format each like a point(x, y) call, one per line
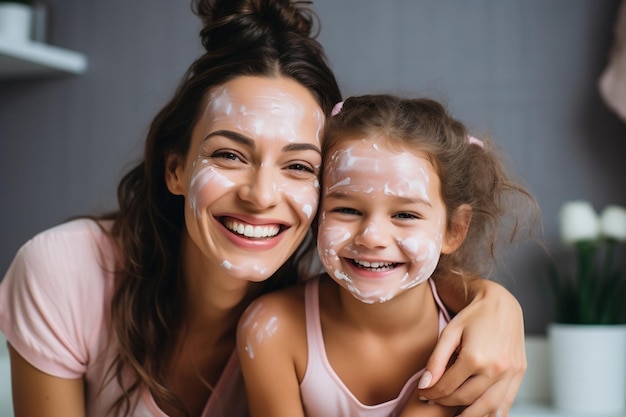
point(471, 172)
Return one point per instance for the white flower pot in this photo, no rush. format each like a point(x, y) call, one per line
point(588, 368)
point(16, 21)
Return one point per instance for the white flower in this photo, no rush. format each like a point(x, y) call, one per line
point(578, 221)
point(613, 222)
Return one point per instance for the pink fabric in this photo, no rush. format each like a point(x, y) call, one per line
point(54, 310)
point(323, 392)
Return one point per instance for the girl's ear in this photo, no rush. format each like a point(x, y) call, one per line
point(174, 178)
point(459, 225)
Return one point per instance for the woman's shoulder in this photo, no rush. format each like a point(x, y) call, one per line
point(54, 297)
point(76, 255)
point(70, 244)
point(77, 230)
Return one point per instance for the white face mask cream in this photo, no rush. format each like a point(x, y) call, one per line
point(383, 220)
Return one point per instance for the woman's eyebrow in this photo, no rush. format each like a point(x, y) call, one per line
point(246, 141)
point(302, 147)
point(237, 137)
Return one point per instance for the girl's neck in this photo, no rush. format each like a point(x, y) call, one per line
point(408, 310)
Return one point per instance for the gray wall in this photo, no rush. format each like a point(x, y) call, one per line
point(524, 71)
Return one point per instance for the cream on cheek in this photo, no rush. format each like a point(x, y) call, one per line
point(329, 241)
point(205, 180)
point(423, 250)
point(303, 196)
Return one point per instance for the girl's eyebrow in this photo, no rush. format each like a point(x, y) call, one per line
point(342, 195)
point(250, 143)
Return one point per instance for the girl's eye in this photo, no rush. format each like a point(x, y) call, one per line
point(346, 210)
point(406, 216)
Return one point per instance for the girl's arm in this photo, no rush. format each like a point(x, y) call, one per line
point(266, 342)
point(487, 337)
point(38, 394)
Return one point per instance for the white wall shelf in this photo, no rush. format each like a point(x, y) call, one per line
point(36, 59)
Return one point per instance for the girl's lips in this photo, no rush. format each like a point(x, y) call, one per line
point(374, 265)
point(372, 269)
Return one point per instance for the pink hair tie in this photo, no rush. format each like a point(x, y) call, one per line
point(473, 141)
point(337, 109)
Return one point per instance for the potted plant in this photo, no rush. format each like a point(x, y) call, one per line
point(588, 337)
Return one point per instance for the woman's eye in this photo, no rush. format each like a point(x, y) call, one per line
point(301, 167)
point(225, 155)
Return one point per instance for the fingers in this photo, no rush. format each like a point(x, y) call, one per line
point(482, 396)
point(460, 385)
point(493, 403)
point(482, 383)
point(442, 355)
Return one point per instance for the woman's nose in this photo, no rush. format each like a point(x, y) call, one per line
point(262, 189)
point(373, 234)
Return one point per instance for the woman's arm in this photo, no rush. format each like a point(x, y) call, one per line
point(487, 338)
point(38, 394)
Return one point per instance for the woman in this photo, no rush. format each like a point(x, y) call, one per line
point(135, 313)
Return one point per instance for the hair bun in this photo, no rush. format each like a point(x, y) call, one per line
point(251, 21)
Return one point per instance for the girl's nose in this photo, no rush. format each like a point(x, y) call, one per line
point(262, 189)
point(373, 234)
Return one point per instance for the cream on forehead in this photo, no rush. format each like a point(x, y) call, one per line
point(379, 169)
point(272, 113)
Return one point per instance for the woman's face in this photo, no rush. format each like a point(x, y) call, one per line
point(383, 221)
point(250, 179)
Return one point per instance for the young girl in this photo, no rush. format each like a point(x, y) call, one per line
point(405, 192)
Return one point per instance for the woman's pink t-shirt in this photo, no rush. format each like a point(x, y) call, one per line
point(55, 311)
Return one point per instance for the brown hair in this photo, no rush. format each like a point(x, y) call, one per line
point(242, 38)
point(469, 173)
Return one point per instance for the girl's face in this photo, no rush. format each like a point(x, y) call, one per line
point(250, 179)
point(382, 222)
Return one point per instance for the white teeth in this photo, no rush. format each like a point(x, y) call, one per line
point(248, 230)
point(374, 265)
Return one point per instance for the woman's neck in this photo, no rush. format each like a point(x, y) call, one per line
point(214, 299)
